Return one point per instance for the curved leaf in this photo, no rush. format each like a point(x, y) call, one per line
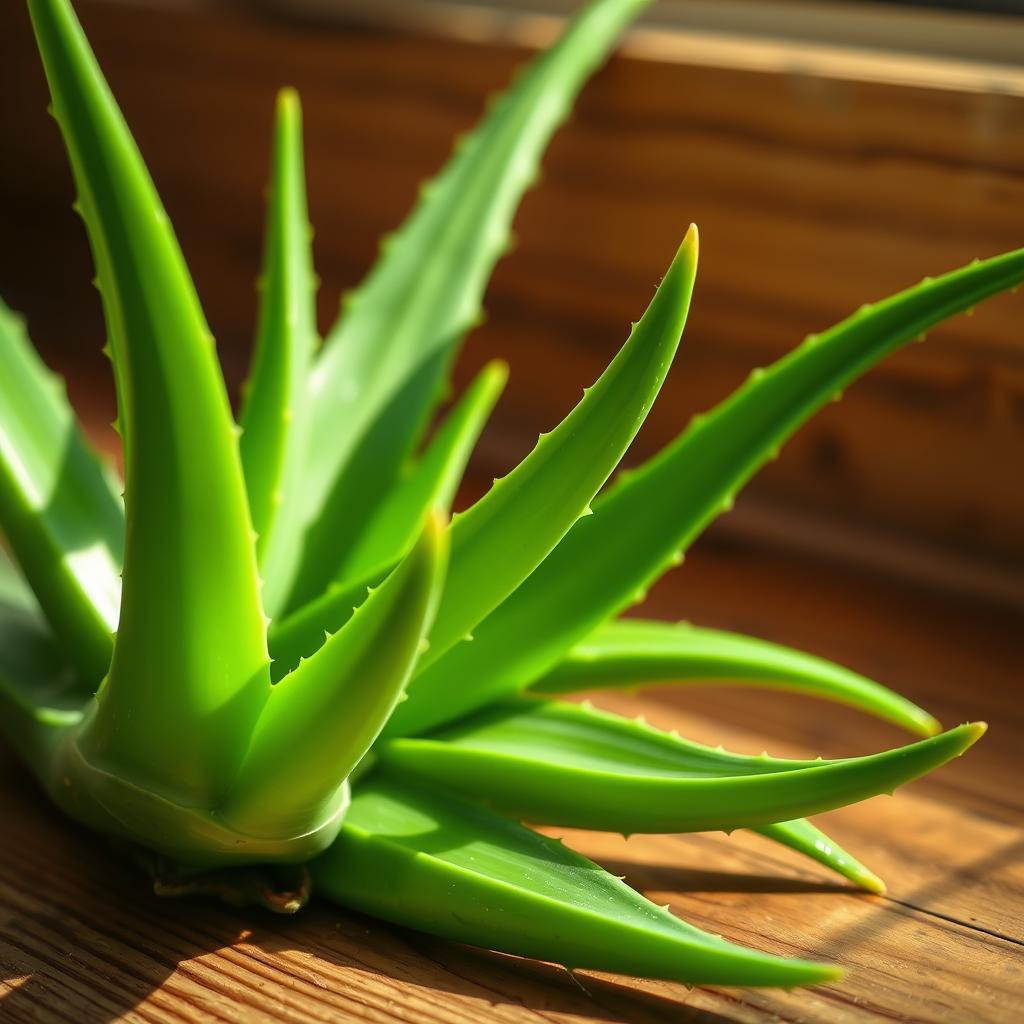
point(564, 764)
point(805, 838)
point(40, 693)
point(384, 363)
point(439, 864)
point(58, 508)
point(643, 523)
point(321, 718)
point(190, 582)
point(431, 484)
point(502, 538)
point(633, 652)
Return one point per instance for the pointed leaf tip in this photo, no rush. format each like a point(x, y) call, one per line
point(322, 718)
point(560, 764)
point(503, 537)
point(383, 365)
point(691, 243)
point(643, 521)
point(972, 732)
point(642, 652)
point(429, 860)
point(188, 543)
point(288, 103)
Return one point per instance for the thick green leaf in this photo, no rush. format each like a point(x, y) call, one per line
point(805, 838)
point(273, 441)
point(644, 522)
point(384, 364)
point(321, 718)
point(433, 862)
point(566, 764)
point(190, 666)
point(633, 652)
point(302, 633)
point(430, 484)
point(40, 692)
point(58, 508)
point(501, 539)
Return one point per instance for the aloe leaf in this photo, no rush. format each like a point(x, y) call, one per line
point(272, 443)
point(430, 861)
point(500, 540)
point(645, 521)
point(321, 718)
point(383, 365)
point(40, 691)
point(638, 651)
point(189, 670)
point(430, 484)
point(58, 509)
point(565, 764)
point(302, 633)
point(803, 837)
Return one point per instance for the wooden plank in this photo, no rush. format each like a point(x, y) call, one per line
point(813, 196)
point(81, 940)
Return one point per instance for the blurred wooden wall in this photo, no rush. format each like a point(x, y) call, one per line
point(813, 193)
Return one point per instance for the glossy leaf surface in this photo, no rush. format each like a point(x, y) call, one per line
point(500, 540)
point(565, 764)
point(808, 839)
point(189, 670)
point(40, 693)
point(430, 484)
point(384, 364)
point(59, 510)
point(641, 651)
point(650, 516)
point(273, 438)
point(322, 717)
point(443, 865)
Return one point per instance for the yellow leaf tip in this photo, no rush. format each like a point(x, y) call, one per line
point(871, 882)
point(974, 731)
point(287, 100)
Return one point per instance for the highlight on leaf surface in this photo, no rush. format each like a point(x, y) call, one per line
point(509, 888)
point(305, 663)
point(562, 764)
point(646, 520)
point(632, 652)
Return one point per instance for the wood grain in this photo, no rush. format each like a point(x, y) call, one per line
point(813, 195)
point(81, 940)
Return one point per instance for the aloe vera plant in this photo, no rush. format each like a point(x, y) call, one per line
point(277, 650)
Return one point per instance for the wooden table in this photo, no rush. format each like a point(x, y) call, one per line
point(904, 180)
point(81, 939)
